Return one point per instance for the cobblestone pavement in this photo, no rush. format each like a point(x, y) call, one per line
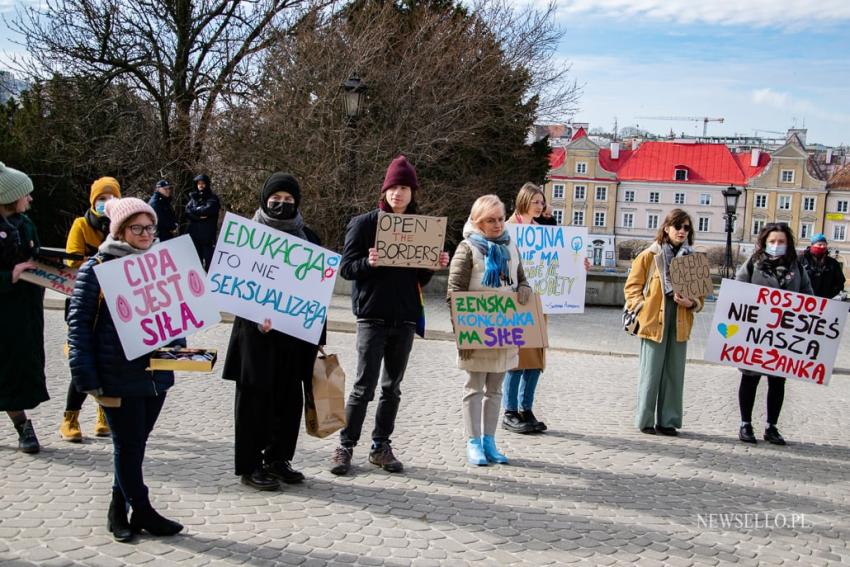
point(591, 490)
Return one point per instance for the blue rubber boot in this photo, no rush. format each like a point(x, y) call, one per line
point(488, 442)
point(474, 452)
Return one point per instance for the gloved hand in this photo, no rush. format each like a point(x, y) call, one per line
point(523, 294)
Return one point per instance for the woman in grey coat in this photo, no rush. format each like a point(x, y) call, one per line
point(773, 264)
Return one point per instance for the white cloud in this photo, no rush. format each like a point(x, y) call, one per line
point(770, 97)
point(784, 14)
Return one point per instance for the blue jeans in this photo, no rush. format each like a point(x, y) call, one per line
point(518, 389)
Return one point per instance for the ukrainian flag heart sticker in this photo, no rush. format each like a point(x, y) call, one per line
point(728, 331)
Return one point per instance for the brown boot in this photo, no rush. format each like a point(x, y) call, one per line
point(101, 427)
point(70, 428)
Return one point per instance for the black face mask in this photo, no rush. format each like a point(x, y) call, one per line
point(281, 210)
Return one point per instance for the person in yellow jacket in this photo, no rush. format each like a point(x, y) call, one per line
point(665, 326)
point(86, 235)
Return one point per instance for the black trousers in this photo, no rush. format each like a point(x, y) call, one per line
point(377, 341)
point(131, 425)
point(747, 396)
point(205, 253)
point(267, 424)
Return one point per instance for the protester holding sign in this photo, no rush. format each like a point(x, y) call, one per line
point(86, 235)
point(22, 380)
point(131, 395)
point(387, 302)
point(825, 273)
point(773, 264)
point(486, 259)
point(270, 368)
point(665, 323)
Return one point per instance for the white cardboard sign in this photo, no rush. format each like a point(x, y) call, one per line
point(157, 296)
point(260, 273)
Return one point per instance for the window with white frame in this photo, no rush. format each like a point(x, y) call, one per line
point(654, 197)
point(558, 214)
point(705, 199)
point(839, 232)
point(581, 167)
point(805, 230)
point(841, 206)
point(601, 193)
point(786, 176)
point(579, 193)
point(679, 199)
point(599, 219)
point(652, 221)
point(760, 201)
point(628, 220)
point(784, 203)
point(629, 196)
point(810, 203)
point(758, 224)
point(681, 175)
point(703, 224)
point(558, 192)
point(578, 218)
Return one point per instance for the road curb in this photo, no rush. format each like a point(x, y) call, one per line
point(351, 327)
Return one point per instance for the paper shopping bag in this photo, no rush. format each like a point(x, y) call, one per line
point(324, 405)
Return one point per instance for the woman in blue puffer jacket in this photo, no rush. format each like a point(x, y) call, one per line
point(131, 396)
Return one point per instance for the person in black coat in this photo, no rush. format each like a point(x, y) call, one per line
point(271, 369)
point(825, 273)
point(387, 303)
point(22, 380)
point(131, 396)
point(166, 219)
point(202, 211)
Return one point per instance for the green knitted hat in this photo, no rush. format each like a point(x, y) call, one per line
point(14, 184)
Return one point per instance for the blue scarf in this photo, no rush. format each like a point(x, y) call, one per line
point(496, 255)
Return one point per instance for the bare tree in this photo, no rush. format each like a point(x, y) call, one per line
point(183, 56)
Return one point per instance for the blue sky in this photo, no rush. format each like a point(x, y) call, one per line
point(760, 64)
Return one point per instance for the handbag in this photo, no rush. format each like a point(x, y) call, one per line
point(324, 403)
point(631, 325)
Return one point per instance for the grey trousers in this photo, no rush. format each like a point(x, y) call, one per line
point(482, 403)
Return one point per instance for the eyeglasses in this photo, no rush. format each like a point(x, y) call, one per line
point(138, 229)
point(680, 226)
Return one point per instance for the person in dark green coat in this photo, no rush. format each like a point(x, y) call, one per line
point(22, 380)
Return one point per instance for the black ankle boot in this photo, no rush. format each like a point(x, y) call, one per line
point(148, 519)
point(27, 441)
point(116, 518)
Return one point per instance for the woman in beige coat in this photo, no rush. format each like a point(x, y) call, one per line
point(486, 260)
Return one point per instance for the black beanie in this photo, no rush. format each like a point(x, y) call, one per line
point(280, 181)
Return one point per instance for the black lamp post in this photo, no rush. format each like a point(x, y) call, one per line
point(353, 95)
point(730, 197)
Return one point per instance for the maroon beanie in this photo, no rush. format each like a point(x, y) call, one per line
point(400, 172)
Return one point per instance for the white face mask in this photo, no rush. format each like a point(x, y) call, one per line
point(775, 250)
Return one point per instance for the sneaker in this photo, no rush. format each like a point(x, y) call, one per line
point(772, 435)
point(260, 480)
point(383, 457)
point(670, 431)
point(747, 435)
point(282, 470)
point(648, 430)
point(513, 422)
point(341, 461)
point(528, 417)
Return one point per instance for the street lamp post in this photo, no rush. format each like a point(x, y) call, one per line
point(730, 196)
point(353, 95)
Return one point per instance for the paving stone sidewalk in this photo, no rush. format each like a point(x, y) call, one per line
point(591, 491)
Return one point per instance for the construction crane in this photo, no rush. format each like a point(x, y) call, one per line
point(756, 132)
point(704, 119)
